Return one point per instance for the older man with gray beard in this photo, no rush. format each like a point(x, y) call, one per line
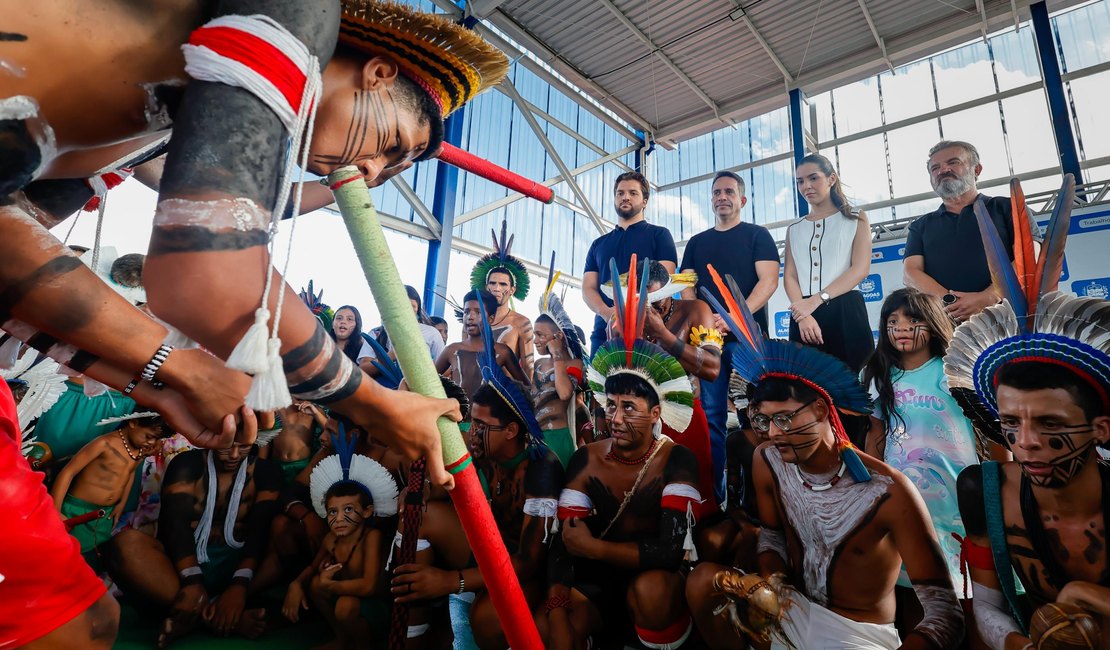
point(944, 250)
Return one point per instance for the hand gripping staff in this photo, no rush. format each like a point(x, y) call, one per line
point(400, 323)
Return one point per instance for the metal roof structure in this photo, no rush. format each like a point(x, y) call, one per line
point(678, 68)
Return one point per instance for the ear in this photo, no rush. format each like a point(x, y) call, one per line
point(743, 201)
point(656, 412)
point(821, 409)
point(378, 72)
point(512, 430)
point(1101, 426)
point(978, 170)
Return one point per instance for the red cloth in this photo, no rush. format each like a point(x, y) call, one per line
point(696, 439)
point(44, 582)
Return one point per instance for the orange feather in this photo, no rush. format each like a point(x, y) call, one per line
point(1025, 262)
point(730, 304)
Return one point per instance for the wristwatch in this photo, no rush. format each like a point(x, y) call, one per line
point(825, 297)
point(948, 299)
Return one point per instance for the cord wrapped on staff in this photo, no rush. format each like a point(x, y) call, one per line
point(385, 283)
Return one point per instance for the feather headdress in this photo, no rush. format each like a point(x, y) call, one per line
point(345, 466)
point(675, 283)
point(315, 303)
point(629, 353)
point(552, 307)
point(389, 371)
point(45, 384)
point(1034, 321)
point(510, 392)
point(501, 260)
point(756, 359)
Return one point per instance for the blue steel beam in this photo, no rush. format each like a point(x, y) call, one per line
point(443, 209)
point(1054, 88)
point(798, 139)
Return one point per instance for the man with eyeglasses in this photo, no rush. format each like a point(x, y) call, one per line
point(213, 528)
point(844, 538)
point(522, 479)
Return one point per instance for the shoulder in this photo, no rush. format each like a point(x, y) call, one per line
point(682, 459)
point(580, 460)
point(544, 476)
point(186, 466)
point(516, 318)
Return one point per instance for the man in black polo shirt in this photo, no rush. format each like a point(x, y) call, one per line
point(632, 235)
point(944, 250)
point(748, 253)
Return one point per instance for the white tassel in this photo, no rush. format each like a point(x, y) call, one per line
point(269, 391)
point(94, 388)
point(9, 353)
point(250, 354)
point(691, 554)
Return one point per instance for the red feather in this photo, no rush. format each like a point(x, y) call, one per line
point(1025, 261)
point(631, 308)
point(730, 304)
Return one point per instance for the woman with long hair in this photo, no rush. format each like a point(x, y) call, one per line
point(346, 331)
point(828, 253)
point(918, 428)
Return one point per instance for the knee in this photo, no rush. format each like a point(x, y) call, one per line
point(347, 609)
point(103, 622)
point(699, 584)
point(656, 595)
point(485, 625)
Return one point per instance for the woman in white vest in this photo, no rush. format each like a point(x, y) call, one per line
point(828, 253)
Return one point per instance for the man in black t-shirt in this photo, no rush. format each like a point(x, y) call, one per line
point(632, 235)
point(944, 250)
point(748, 253)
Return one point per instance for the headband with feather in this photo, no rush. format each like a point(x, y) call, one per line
point(756, 359)
point(552, 307)
point(1034, 321)
point(507, 389)
point(629, 353)
point(676, 282)
point(500, 260)
point(345, 466)
point(315, 303)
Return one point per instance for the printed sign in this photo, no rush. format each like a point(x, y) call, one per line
point(872, 288)
point(782, 324)
point(1094, 288)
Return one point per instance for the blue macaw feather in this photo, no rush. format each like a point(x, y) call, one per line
point(618, 296)
point(1051, 263)
point(641, 312)
point(345, 449)
point(390, 370)
point(1003, 276)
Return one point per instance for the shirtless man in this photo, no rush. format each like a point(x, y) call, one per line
point(509, 326)
point(624, 516)
point(523, 485)
point(841, 540)
point(1054, 498)
point(199, 569)
point(461, 358)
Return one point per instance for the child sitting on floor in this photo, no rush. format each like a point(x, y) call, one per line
point(343, 581)
point(99, 477)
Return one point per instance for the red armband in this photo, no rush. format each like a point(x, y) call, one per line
point(973, 555)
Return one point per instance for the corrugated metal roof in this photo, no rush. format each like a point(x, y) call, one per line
point(820, 43)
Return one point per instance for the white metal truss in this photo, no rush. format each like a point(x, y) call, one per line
point(418, 206)
point(875, 33)
point(568, 176)
point(658, 51)
point(739, 13)
point(982, 8)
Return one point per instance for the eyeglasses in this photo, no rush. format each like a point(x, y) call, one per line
point(762, 423)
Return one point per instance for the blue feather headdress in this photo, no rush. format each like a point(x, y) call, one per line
point(552, 307)
point(345, 466)
point(510, 392)
point(629, 353)
point(756, 359)
point(389, 371)
point(1034, 321)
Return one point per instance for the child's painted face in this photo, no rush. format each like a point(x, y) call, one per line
point(543, 332)
point(346, 514)
point(907, 333)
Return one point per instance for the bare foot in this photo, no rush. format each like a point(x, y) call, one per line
point(178, 624)
point(252, 623)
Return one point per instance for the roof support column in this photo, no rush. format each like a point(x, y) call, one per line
point(1054, 89)
point(443, 209)
point(798, 113)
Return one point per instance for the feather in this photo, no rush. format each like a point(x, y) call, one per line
point(508, 389)
point(345, 465)
point(1051, 263)
point(618, 296)
point(741, 316)
point(390, 370)
point(1003, 276)
point(1025, 264)
point(642, 300)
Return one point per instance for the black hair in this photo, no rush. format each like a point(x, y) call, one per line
point(886, 361)
point(734, 176)
point(414, 98)
point(485, 297)
point(127, 270)
point(505, 271)
point(19, 389)
point(657, 273)
point(488, 396)
point(645, 189)
point(354, 342)
point(154, 421)
point(421, 315)
point(780, 389)
point(348, 489)
point(436, 321)
point(626, 383)
point(1040, 375)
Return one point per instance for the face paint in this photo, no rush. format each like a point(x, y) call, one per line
point(25, 109)
point(237, 214)
point(1056, 471)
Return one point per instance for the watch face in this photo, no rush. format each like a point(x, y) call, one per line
point(948, 298)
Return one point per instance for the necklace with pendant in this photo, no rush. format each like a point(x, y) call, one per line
point(821, 487)
point(127, 447)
